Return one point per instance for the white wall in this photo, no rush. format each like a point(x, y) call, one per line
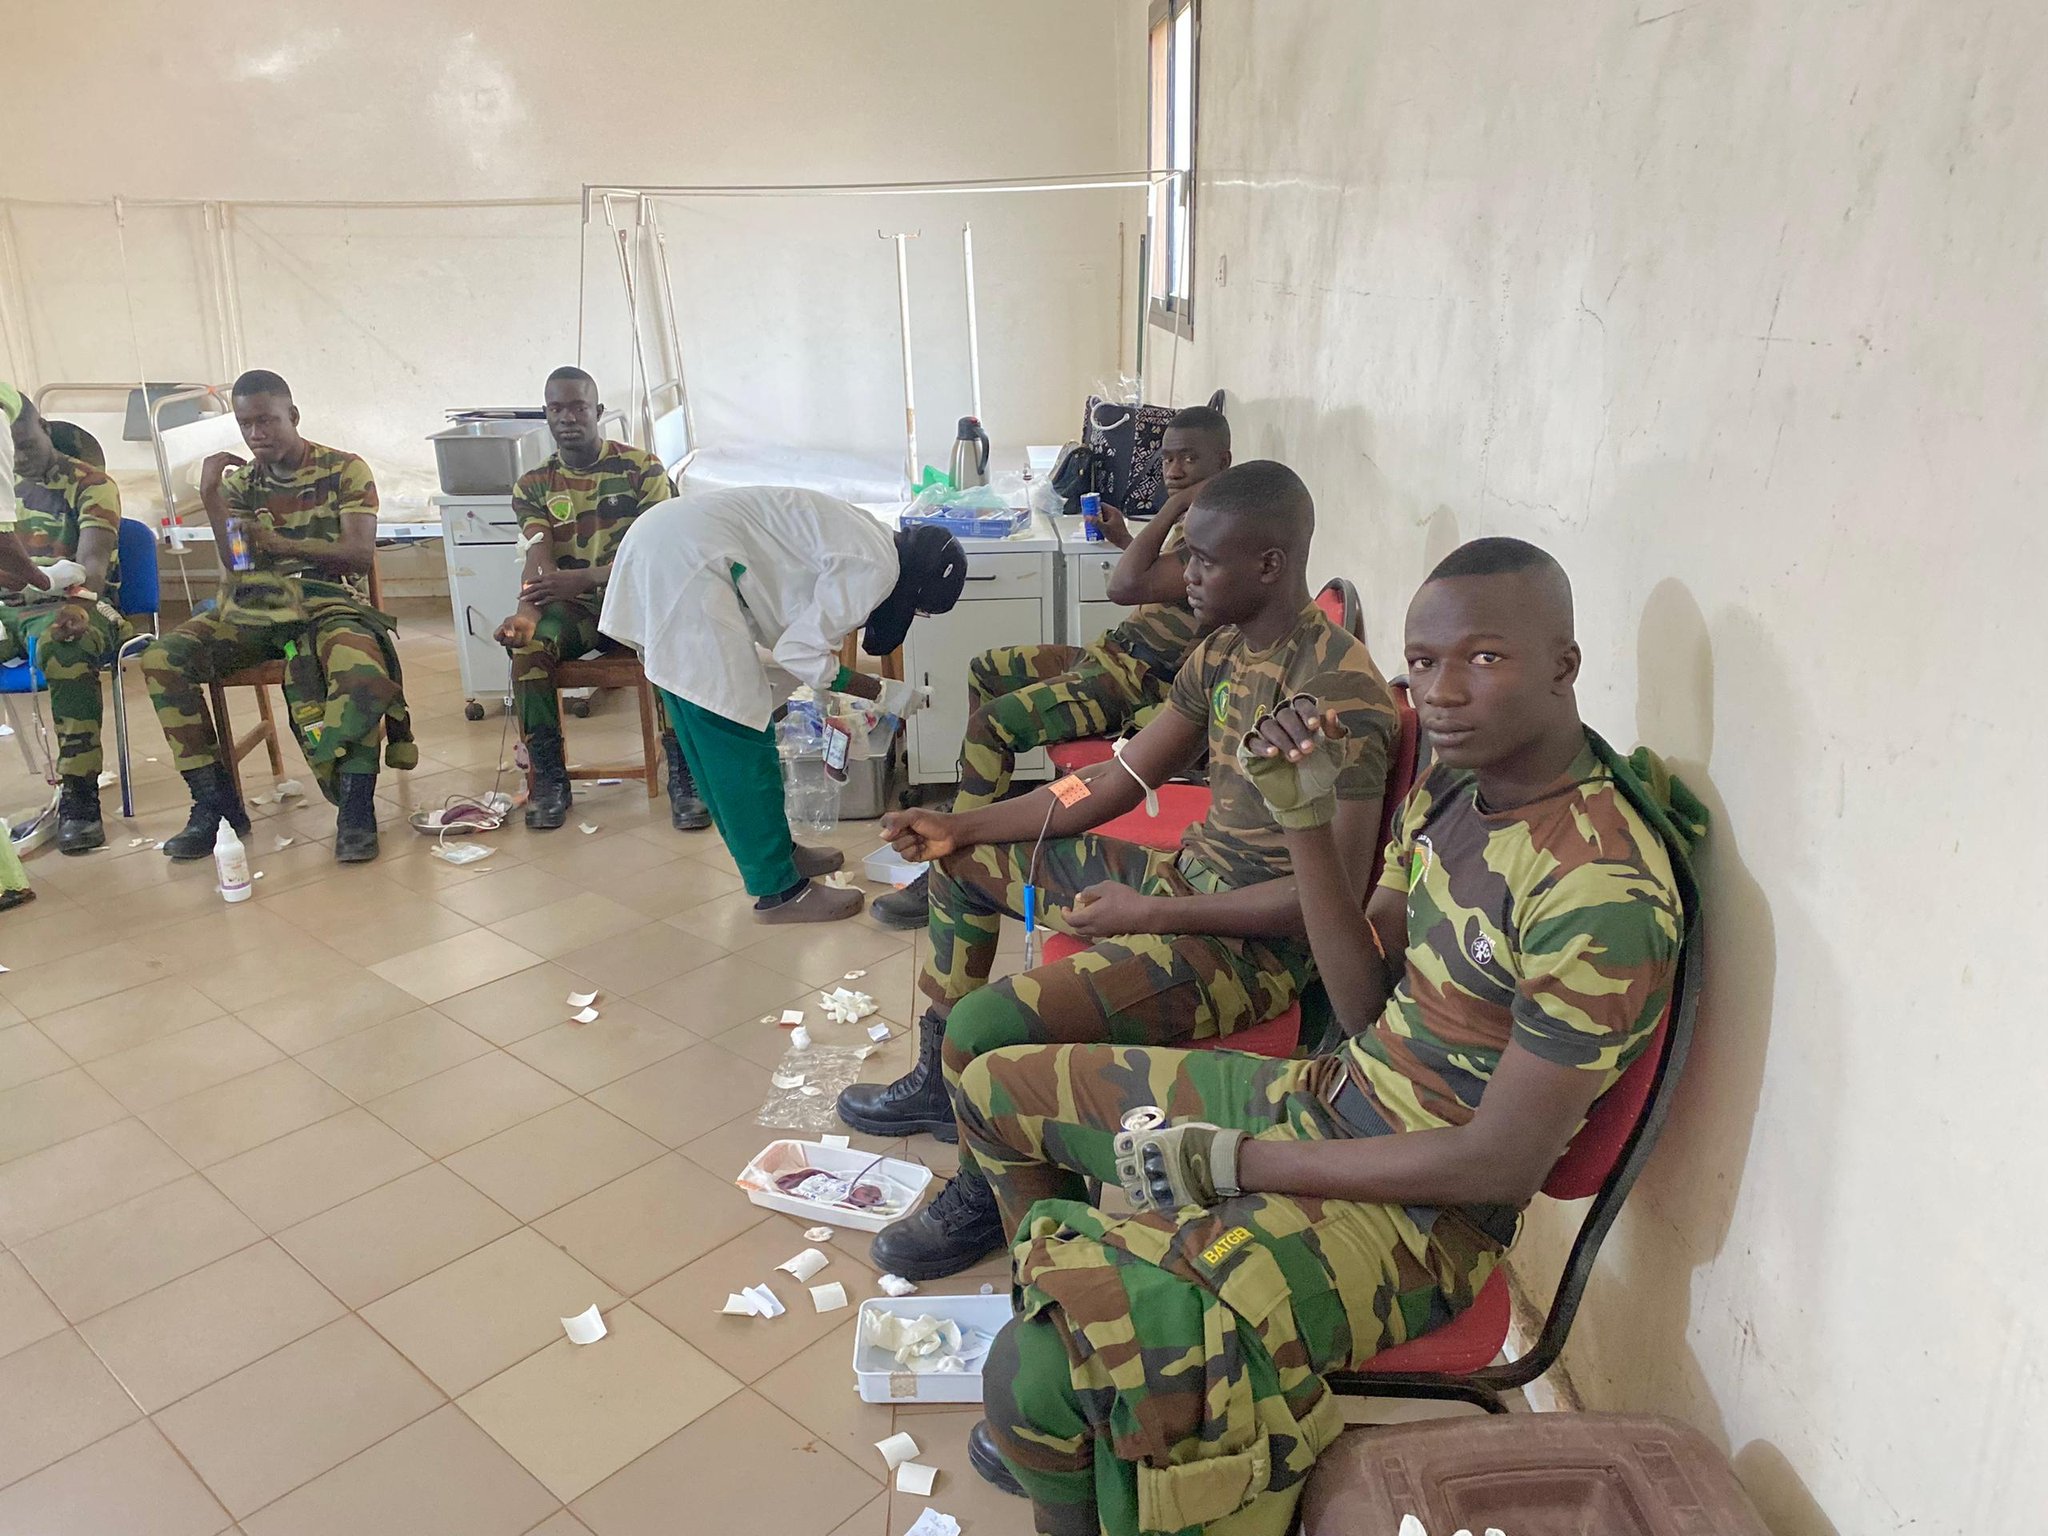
point(1738, 308)
point(385, 316)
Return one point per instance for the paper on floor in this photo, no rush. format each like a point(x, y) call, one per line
point(584, 1327)
point(828, 1298)
point(584, 1016)
point(818, 1234)
point(835, 1141)
point(787, 1079)
point(897, 1449)
point(799, 1039)
point(932, 1523)
point(282, 843)
point(286, 788)
point(878, 1031)
point(582, 999)
point(895, 1285)
point(915, 1477)
point(792, 1016)
point(109, 780)
point(853, 976)
point(844, 1007)
point(805, 1264)
point(587, 827)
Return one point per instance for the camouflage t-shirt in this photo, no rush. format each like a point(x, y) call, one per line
point(74, 495)
point(1556, 924)
point(1225, 684)
point(585, 512)
point(1160, 634)
point(305, 505)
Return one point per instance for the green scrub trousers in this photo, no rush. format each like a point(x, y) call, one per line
point(739, 776)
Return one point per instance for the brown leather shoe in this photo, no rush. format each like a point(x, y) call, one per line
point(814, 904)
point(813, 862)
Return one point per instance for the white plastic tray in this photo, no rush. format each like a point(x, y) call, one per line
point(876, 1375)
point(903, 1184)
point(885, 866)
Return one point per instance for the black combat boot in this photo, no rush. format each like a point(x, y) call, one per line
point(907, 908)
point(355, 827)
point(983, 1456)
point(916, 1101)
point(78, 815)
point(686, 813)
point(548, 807)
point(955, 1231)
point(213, 801)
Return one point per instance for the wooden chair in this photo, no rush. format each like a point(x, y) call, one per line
point(616, 669)
point(262, 677)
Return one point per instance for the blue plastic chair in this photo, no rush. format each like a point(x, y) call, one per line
point(138, 598)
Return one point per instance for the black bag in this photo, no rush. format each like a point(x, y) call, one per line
point(1119, 456)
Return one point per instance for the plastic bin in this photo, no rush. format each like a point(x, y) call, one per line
point(885, 866)
point(486, 458)
point(878, 1378)
point(903, 1184)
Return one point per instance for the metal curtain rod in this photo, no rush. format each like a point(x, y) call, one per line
point(303, 202)
point(886, 188)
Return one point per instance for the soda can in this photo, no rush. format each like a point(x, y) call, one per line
point(239, 557)
point(1091, 517)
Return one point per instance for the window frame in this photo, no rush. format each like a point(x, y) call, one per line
point(1170, 310)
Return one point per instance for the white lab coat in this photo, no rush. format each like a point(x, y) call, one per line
point(812, 568)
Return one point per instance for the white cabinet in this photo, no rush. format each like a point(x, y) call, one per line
point(480, 536)
point(1089, 612)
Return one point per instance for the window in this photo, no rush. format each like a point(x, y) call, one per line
point(1172, 134)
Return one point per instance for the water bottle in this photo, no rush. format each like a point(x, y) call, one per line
point(1091, 517)
point(231, 865)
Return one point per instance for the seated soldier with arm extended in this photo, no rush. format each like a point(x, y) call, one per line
point(69, 519)
point(1165, 1372)
point(308, 515)
point(1187, 944)
point(1028, 696)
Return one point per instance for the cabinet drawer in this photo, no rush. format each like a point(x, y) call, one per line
point(1091, 574)
point(1004, 576)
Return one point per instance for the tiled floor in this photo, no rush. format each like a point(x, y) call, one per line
point(292, 1194)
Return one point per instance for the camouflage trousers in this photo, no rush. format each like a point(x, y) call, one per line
point(1147, 989)
point(1029, 696)
point(1165, 1373)
point(565, 631)
point(206, 648)
point(72, 669)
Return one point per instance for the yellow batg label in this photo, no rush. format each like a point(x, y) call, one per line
point(1226, 1245)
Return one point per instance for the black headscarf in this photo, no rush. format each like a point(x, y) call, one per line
point(931, 573)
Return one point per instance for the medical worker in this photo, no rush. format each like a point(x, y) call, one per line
point(701, 585)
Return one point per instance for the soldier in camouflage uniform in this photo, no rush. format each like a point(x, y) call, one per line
point(573, 511)
point(69, 511)
point(309, 515)
point(1165, 1371)
point(1189, 944)
point(1026, 696)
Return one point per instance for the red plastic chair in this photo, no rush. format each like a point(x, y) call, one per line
point(1603, 1162)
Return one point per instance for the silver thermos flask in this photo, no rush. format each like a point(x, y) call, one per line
point(970, 455)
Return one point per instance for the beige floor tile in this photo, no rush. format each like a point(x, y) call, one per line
point(670, 888)
point(25, 1312)
point(322, 906)
point(650, 1223)
point(411, 924)
point(441, 1475)
point(726, 920)
point(815, 1387)
point(822, 955)
point(455, 965)
point(132, 1481)
point(979, 1506)
point(26, 1053)
point(201, 1057)
point(369, 1246)
point(128, 1019)
point(435, 877)
point(177, 1338)
point(308, 1171)
point(551, 1159)
point(474, 1317)
point(53, 1109)
point(296, 1413)
point(713, 854)
point(575, 1414)
point(750, 1347)
point(640, 958)
point(624, 1038)
point(82, 1176)
point(55, 1398)
point(462, 1106)
point(679, 1099)
point(312, 1015)
point(872, 1519)
point(504, 893)
point(222, 930)
point(386, 1057)
point(561, 1524)
point(138, 1245)
point(715, 996)
point(718, 1460)
point(52, 987)
point(521, 1004)
point(591, 861)
point(232, 1117)
point(242, 982)
point(766, 1044)
point(567, 923)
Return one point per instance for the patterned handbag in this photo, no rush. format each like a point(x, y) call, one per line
point(1122, 446)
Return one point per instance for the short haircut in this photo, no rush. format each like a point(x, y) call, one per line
point(569, 373)
point(1268, 492)
point(1203, 418)
point(261, 381)
point(1501, 556)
